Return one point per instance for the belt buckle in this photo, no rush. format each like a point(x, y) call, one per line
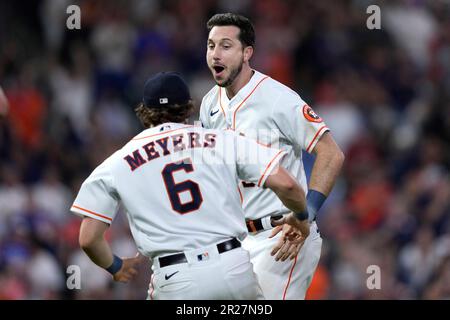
point(251, 226)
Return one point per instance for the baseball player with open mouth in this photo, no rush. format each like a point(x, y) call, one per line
point(257, 106)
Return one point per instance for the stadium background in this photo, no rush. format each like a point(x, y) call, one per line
point(384, 94)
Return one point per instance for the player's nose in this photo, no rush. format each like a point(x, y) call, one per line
point(215, 54)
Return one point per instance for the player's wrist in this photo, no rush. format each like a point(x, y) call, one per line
point(314, 201)
point(115, 266)
point(301, 215)
point(275, 218)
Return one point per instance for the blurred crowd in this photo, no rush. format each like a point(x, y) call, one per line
point(384, 93)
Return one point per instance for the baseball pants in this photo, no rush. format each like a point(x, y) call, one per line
point(207, 275)
point(284, 280)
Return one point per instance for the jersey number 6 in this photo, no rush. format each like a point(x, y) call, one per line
point(174, 189)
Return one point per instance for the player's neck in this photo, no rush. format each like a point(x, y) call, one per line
point(242, 79)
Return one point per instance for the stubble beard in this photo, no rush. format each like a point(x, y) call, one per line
point(233, 75)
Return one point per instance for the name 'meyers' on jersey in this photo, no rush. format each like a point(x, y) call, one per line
point(167, 145)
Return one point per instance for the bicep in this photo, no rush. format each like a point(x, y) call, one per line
point(326, 144)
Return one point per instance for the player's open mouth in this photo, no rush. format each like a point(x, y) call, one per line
point(218, 70)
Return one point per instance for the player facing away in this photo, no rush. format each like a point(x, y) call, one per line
point(253, 104)
point(179, 187)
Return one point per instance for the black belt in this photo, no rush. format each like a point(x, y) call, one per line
point(256, 225)
point(181, 257)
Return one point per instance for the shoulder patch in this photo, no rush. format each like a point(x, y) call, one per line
point(310, 115)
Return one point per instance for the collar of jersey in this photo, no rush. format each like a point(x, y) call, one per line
point(241, 94)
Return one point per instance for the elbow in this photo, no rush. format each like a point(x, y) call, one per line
point(289, 187)
point(335, 157)
point(282, 183)
point(339, 158)
point(85, 242)
point(91, 233)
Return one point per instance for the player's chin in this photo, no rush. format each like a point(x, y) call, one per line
point(220, 80)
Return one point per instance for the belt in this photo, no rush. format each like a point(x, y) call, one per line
point(181, 257)
point(258, 225)
point(262, 223)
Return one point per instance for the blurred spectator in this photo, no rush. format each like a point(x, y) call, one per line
point(419, 259)
point(27, 108)
point(46, 277)
point(72, 91)
point(13, 194)
point(52, 196)
point(413, 27)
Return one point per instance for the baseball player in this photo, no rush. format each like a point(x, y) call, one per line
point(179, 187)
point(256, 105)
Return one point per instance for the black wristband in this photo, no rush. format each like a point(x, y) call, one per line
point(115, 266)
point(314, 200)
point(302, 215)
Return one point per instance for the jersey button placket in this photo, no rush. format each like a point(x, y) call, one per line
point(229, 116)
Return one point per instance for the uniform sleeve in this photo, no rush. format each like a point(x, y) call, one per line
point(254, 161)
point(299, 123)
point(97, 197)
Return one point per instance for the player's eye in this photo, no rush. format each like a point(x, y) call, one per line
point(210, 46)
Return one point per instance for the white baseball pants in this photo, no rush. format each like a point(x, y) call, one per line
point(284, 280)
point(207, 275)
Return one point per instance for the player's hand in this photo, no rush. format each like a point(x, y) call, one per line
point(288, 245)
point(294, 235)
point(298, 233)
point(129, 268)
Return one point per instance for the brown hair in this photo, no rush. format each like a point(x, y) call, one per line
point(247, 32)
point(151, 117)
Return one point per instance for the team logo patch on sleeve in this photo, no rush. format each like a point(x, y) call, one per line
point(310, 115)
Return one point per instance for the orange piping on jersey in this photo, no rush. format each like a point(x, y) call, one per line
point(91, 212)
point(262, 144)
point(234, 114)
point(240, 195)
point(268, 166)
point(220, 102)
point(159, 133)
point(289, 280)
point(312, 141)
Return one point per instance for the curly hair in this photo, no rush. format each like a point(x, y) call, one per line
point(153, 116)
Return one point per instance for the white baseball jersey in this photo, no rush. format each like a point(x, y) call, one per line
point(178, 185)
point(273, 114)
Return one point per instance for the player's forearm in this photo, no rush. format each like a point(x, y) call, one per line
point(293, 199)
point(327, 166)
point(99, 252)
point(288, 190)
point(93, 243)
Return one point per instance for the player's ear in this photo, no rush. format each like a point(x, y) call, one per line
point(248, 52)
